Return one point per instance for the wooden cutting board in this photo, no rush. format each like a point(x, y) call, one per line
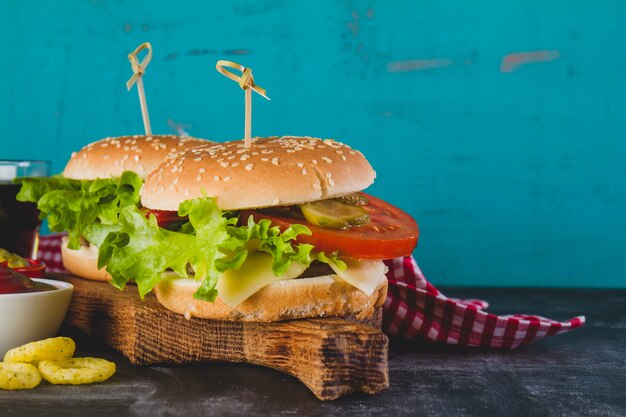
point(331, 356)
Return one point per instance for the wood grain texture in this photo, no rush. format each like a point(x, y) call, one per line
point(331, 356)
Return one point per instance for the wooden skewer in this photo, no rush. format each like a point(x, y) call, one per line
point(144, 107)
point(246, 82)
point(139, 69)
point(248, 119)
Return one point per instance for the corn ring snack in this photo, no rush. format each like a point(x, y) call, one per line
point(76, 371)
point(15, 376)
point(53, 348)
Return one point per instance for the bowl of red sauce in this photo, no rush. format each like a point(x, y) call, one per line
point(30, 309)
point(34, 269)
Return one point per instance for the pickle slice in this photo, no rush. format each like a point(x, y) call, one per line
point(355, 199)
point(333, 214)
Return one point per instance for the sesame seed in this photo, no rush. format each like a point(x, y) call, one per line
point(197, 159)
point(317, 186)
point(231, 157)
point(328, 175)
point(227, 178)
point(300, 164)
point(216, 178)
point(73, 154)
point(303, 171)
point(234, 164)
point(136, 158)
point(343, 157)
point(331, 182)
point(174, 169)
point(326, 159)
point(202, 170)
point(275, 161)
point(265, 159)
point(224, 164)
point(249, 167)
point(314, 161)
point(198, 178)
point(351, 152)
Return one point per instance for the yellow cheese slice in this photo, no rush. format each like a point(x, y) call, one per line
point(235, 286)
point(363, 274)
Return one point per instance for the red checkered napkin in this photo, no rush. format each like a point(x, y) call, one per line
point(50, 252)
point(414, 308)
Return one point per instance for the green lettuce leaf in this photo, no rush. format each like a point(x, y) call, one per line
point(210, 244)
point(74, 205)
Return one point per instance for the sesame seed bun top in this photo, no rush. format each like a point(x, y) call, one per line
point(273, 171)
point(110, 157)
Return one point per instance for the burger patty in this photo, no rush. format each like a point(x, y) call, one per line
point(317, 269)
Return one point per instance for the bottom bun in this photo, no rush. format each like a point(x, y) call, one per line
point(83, 262)
point(324, 296)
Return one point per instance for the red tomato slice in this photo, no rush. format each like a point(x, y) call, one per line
point(391, 233)
point(165, 218)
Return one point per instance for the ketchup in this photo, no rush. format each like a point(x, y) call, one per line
point(12, 282)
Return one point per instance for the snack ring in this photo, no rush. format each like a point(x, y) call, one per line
point(15, 376)
point(53, 348)
point(76, 371)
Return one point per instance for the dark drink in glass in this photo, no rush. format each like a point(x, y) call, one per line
point(19, 222)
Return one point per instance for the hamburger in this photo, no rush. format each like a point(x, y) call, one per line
point(278, 230)
point(97, 182)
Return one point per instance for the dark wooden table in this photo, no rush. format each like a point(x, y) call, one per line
point(582, 373)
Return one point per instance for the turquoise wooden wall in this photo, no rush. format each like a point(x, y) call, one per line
point(499, 125)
